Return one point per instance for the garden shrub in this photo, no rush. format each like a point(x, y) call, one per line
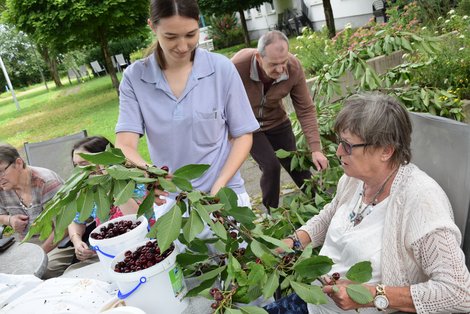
point(225, 31)
point(451, 66)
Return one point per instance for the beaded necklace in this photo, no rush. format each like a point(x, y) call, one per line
point(21, 201)
point(356, 216)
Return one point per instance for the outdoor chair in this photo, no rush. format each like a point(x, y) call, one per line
point(54, 154)
point(97, 68)
point(73, 74)
point(121, 62)
point(378, 9)
point(441, 147)
point(207, 44)
point(83, 71)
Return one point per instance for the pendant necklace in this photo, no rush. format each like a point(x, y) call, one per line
point(357, 216)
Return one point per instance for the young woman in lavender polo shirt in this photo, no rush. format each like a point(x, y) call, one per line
point(190, 103)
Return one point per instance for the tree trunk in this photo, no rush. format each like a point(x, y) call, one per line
point(107, 59)
point(246, 34)
point(51, 62)
point(330, 19)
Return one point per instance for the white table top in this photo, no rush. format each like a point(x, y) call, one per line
point(23, 259)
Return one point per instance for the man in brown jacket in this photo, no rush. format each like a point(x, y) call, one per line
point(269, 74)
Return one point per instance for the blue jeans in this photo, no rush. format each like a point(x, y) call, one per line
point(292, 304)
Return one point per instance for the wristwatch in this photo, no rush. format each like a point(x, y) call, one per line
point(381, 301)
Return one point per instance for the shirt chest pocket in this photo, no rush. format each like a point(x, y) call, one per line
point(208, 127)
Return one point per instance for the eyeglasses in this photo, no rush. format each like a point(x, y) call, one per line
point(2, 172)
point(349, 147)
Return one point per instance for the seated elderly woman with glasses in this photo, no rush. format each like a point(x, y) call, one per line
point(24, 191)
point(389, 212)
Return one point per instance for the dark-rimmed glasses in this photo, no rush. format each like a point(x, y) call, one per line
point(2, 172)
point(349, 147)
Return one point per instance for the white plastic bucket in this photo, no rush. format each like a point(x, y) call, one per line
point(107, 249)
point(157, 289)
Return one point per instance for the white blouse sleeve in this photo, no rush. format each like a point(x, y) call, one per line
point(442, 260)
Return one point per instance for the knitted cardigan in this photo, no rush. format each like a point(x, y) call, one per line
point(421, 243)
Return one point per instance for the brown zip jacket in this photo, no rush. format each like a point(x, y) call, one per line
point(268, 108)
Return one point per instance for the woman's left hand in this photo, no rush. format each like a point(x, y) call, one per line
point(337, 292)
point(83, 252)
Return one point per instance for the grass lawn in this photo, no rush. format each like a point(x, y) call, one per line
point(92, 105)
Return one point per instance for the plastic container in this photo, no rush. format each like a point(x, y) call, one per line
point(157, 289)
point(107, 249)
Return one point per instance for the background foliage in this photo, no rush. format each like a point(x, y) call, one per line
point(225, 31)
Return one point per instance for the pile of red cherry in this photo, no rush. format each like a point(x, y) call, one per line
point(143, 257)
point(115, 229)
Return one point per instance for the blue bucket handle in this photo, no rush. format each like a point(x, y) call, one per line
point(96, 248)
point(123, 296)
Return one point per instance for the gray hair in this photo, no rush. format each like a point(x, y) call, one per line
point(379, 120)
point(269, 38)
point(8, 153)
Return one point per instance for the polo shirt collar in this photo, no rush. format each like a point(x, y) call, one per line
point(202, 67)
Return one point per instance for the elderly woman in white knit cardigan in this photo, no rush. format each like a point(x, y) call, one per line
point(391, 213)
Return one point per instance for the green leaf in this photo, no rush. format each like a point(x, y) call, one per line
point(314, 266)
point(146, 207)
point(308, 293)
point(253, 310)
point(243, 215)
point(193, 227)
point(256, 275)
point(233, 311)
point(182, 183)
point(294, 162)
point(194, 196)
point(167, 185)
point(219, 230)
point(190, 172)
point(259, 249)
point(271, 284)
point(201, 210)
point(103, 158)
point(211, 274)
point(234, 266)
point(280, 153)
point(66, 216)
point(307, 252)
point(200, 287)
point(359, 294)
point(168, 227)
point(184, 259)
point(197, 245)
point(277, 243)
point(119, 185)
point(85, 204)
point(228, 197)
point(360, 272)
point(125, 194)
point(103, 204)
point(97, 180)
point(120, 172)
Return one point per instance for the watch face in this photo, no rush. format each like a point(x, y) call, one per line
point(381, 302)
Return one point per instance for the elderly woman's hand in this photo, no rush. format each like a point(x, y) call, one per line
point(19, 222)
point(82, 251)
point(337, 292)
point(288, 241)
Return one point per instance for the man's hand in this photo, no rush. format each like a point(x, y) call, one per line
point(320, 161)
